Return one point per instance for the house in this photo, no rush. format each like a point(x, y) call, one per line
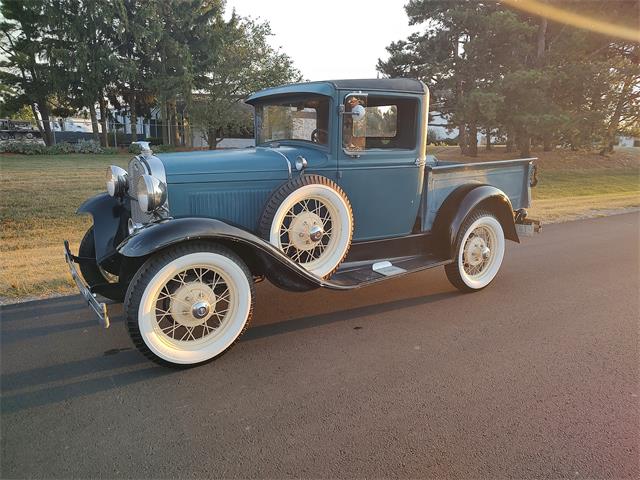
point(624, 141)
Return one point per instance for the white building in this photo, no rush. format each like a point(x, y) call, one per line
point(628, 141)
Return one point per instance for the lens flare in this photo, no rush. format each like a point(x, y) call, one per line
point(558, 15)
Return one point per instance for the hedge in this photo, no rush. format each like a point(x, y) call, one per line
point(83, 146)
point(32, 148)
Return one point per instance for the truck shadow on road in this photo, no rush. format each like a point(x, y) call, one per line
point(57, 383)
point(292, 325)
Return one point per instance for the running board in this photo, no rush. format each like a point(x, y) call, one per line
point(359, 274)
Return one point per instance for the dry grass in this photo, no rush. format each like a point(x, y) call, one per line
point(39, 196)
point(38, 199)
point(552, 210)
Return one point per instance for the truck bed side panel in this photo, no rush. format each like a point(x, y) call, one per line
point(511, 176)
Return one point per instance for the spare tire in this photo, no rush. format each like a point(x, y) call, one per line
point(309, 218)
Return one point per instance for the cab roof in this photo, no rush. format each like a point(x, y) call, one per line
point(327, 87)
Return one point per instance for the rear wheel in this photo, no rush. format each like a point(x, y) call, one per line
point(189, 304)
point(479, 252)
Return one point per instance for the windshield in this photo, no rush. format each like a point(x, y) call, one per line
point(300, 118)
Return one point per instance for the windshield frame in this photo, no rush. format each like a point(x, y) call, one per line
point(292, 97)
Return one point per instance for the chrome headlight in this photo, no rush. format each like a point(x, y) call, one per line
point(301, 163)
point(117, 181)
point(152, 193)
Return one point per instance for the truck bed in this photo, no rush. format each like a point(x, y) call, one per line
point(441, 178)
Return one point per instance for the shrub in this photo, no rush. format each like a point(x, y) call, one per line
point(25, 148)
point(33, 148)
point(88, 146)
point(61, 148)
point(134, 148)
point(163, 148)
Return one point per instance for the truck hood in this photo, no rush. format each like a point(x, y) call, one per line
point(257, 163)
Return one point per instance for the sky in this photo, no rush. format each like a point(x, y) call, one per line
point(331, 39)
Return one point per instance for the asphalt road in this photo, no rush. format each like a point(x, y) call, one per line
point(536, 376)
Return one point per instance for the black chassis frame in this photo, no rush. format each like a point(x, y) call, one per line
point(123, 254)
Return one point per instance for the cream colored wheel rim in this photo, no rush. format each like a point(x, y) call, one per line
point(481, 253)
point(313, 228)
point(194, 308)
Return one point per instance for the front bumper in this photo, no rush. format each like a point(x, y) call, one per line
point(100, 309)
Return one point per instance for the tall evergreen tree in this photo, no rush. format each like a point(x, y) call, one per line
point(534, 79)
point(82, 45)
point(24, 39)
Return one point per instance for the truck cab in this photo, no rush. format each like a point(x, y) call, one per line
point(377, 157)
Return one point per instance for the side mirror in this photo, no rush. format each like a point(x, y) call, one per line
point(358, 112)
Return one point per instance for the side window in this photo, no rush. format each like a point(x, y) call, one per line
point(382, 121)
point(376, 122)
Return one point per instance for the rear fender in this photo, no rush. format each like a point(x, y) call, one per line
point(261, 257)
point(110, 216)
point(464, 200)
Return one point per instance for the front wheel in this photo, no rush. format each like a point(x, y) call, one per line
point(92, 272)
point(479, 252)
point(189, 304)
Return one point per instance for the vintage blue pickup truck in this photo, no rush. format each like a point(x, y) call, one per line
point(338, 193)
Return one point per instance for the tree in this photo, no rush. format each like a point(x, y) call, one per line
point(239, 61)
point(65, 56)
point(533, 79)
point(176, 53)
point(462, 55)
point(29, 80)
point(82, 45)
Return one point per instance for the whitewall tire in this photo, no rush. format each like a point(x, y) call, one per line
point(189, 304)
point(479, 252)
point(310, 220)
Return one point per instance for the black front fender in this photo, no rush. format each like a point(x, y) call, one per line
point(110, 216)
point(461, 202)
point(270, 261)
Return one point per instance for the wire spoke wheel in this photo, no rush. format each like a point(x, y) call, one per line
point(189, 304)
point(306, 231)
point(479, 252)
point(310, 220)
point(193, 305)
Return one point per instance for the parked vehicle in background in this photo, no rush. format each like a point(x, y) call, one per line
point(339, 193)
point(18, 130)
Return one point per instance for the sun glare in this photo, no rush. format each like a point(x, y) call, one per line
point(575, 19)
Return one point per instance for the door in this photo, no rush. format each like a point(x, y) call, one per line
point(378, 165)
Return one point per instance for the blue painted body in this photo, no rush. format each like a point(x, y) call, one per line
point(388, 188)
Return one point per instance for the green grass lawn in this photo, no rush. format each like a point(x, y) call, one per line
point(40, 194)
point(558, 184)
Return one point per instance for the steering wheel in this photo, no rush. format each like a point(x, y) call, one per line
point(315, 135)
